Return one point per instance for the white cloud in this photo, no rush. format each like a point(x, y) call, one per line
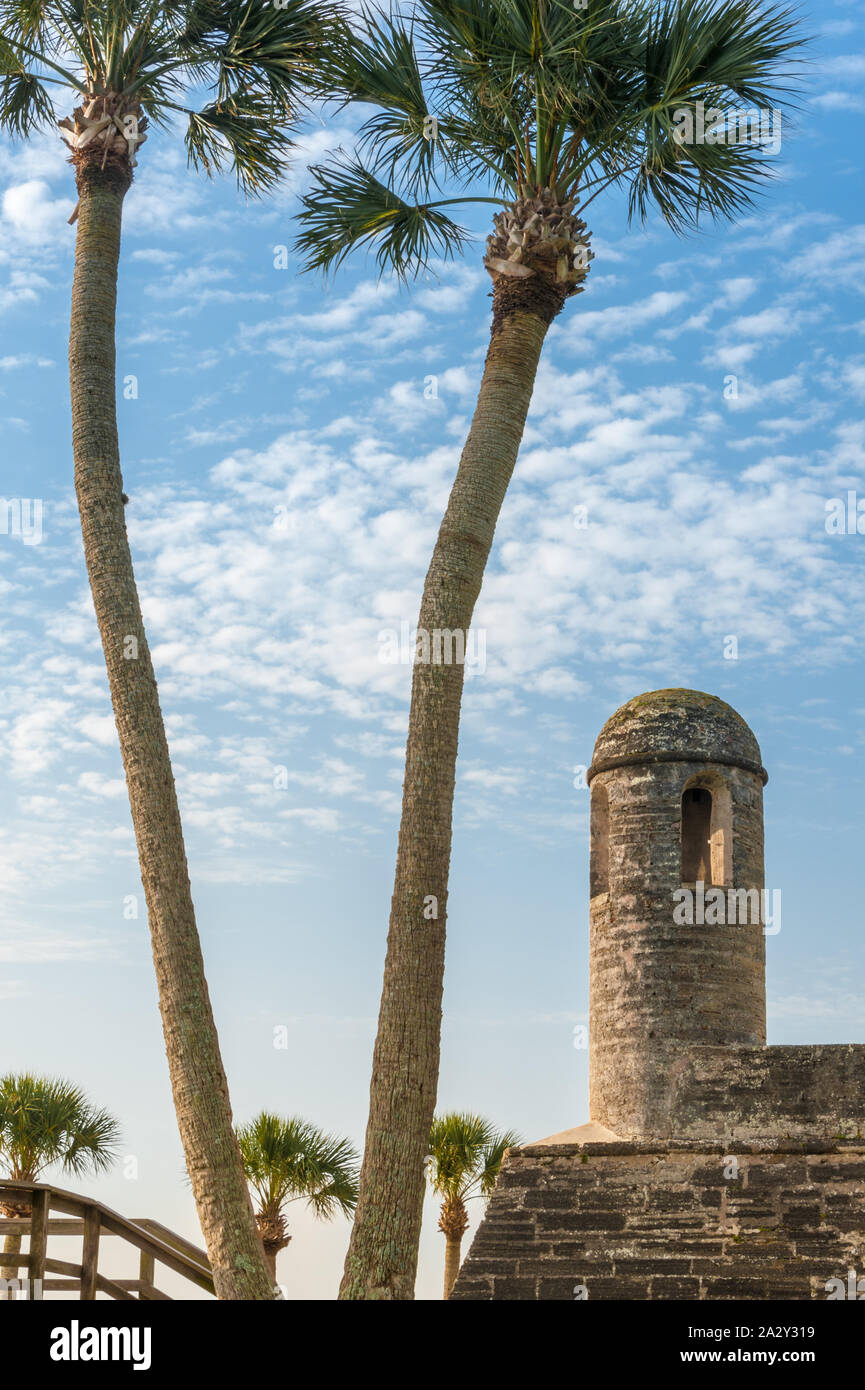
point(30, 213)
point(837, 262)
point(96, 785)
point(622, 319)
point(24, 359)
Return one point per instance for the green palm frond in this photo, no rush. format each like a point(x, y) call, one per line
point(381, 68)
point(239, 132)
point(493, 1154)
point(741, 47)
point(28, 19)
point(263, 48)
point(465, 1154)
point(289, 1160)
point(721, 183)
point(45, 1121)
point(349, 206)
point(533, 94)
point(25, 103)
point(257, 64)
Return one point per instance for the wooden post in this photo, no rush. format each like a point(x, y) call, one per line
point(90, 1254)
point(146, 1273)
point(38, 1242)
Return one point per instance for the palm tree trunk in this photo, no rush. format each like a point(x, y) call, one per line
point(382, 1255)
point(11, 1246)
point(453, 1223)
point(270, 1254)
point(453, 1245)
point(273, 1230)
point(197, 1077)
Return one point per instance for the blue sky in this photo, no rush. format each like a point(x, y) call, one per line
point(287, 474)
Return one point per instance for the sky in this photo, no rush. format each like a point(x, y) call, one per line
point(288, 446)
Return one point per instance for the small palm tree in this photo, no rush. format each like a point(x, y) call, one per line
point(235, 74)
point(536, 107)
point(45, 1122)
point(465, 1155)
point(292, 1161)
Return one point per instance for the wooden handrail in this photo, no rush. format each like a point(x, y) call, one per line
point(92, 1220)
point(168, 1237)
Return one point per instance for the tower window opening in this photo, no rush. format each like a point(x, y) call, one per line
point(697, 835)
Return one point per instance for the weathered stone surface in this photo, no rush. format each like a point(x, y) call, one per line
point(727, 1169)
point(758, 1092)
point(757, 1238)
point(661, 722)
point(661, 986)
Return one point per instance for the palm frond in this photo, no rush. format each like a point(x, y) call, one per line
point(492, 1160)
point(745, 48)
point(465, 1153)
point(25, 103)
point(258, 63)
point(737, 56)
point(44, 1121)
point(239, 133)
point(93, 1142)
point(289, 1160)
point(405, 141)
point(718, 181)
point(348, 207)
point(532, 94)
point(27, 19)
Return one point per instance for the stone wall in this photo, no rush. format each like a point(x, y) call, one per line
point(647, 1222)
point(723, 1093)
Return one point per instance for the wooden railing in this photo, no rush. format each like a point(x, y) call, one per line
point(85, 1217)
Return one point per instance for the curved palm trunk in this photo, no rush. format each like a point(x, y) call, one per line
point(453, 1244)
point(12, 1243)
point(453, 1223)
point(11, 1246)
point(197, 1077)
point(382, 1254)
point(270, 1254)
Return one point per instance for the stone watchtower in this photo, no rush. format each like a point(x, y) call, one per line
point(713, 1166)
point(677, 799)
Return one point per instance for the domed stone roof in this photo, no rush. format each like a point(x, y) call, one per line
point(673, 725)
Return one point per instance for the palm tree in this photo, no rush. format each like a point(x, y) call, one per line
point(43, 1122)
point(126, 63)
point(292, 1161)
point(537, 107)
point(465, 1155)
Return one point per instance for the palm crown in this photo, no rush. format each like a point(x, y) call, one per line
point(133, 60)
point(550, 100)
point(465, 1156)
point(288, 1160)
point(45, 1121)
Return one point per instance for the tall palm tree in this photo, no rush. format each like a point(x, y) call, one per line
point(465, 1155)
point(42, 1122)
point(126, 63)
point(292, 1161)
point(535, 106)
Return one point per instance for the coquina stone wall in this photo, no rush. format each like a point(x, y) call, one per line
point(644, 1222)
point(806, 1093)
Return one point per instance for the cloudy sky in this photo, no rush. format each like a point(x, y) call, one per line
point(288, 462)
